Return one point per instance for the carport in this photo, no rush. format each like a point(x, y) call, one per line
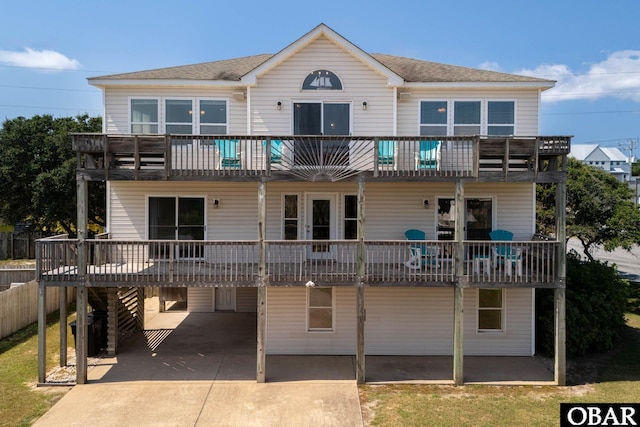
point(221, 346)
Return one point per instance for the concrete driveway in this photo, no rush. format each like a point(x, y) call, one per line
point(199, 369)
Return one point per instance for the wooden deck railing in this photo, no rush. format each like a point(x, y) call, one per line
point(313, 158)
point(295, 263)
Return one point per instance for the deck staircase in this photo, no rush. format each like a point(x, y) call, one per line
point(129, 306)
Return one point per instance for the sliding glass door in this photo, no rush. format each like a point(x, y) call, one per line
point(177, 218)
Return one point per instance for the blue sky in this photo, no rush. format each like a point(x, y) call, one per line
point(592, 48)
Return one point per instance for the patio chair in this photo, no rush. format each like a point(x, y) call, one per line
point(275, 156)
point(229, 154)
point(501, 235)
point(386, 152)
point(427, 155)
point(421, 254)
point(504, 253)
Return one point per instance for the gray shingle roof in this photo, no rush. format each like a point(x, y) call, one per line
point(411, 70)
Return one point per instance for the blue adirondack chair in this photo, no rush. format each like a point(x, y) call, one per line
point(275, 156)
point(421, 254)
point(427, 156)
point(505, 253)
point(386, 152)
point(229, 155)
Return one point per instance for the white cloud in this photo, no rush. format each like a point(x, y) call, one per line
point(45, 59)
point(490, 66)
point(617, 76)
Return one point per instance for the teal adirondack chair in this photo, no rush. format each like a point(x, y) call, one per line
point(386, 152)
point(421, 254)
point(505, 253)
point(229, 154)
point(275, 156)
point(427, 156)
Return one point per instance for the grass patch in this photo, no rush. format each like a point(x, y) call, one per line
point(21, 403)
point(420, 405)
point(4, 263)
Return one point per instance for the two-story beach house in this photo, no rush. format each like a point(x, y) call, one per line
point(360, 204)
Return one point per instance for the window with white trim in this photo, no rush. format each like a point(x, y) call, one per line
point(320, 309)
point(466, 118)
point(179, 116)
point(490, 310)
point(182, 116)
point(433, 118)
point(144, 116)
point(500, 117)
point(350, 217)
point(290, 217)
point(213, 117)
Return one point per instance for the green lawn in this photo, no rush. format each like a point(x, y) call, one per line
point(420, 405)
point(21, 403)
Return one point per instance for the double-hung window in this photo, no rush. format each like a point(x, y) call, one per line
point(467, 118)
point(144, 116)
point(490, 310)
point(433, 118)
point(320, 303)
point(213, 117)
point(179, 116)
point(500, 118)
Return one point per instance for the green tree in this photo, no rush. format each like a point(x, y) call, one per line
point(600, 209)
point(38, 172)
point(635, 169)
point(596, 305)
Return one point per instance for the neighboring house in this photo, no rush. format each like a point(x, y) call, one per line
point(284, 184)
point(609, 159)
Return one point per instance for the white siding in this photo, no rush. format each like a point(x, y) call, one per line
point(391, 208)
point(246, 300)
point(409, 321)
point(517, 338)
point(286, 324)
point(359, 83)
point(200, 300)
point(400, 321)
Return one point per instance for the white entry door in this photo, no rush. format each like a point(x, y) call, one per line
point(225, 299)
point(320, 224)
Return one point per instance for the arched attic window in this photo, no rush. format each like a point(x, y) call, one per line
point(322, 80)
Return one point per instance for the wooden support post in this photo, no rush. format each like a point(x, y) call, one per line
point(81, 304)
point(262, 282)
point(560, 291)
point(42, 332)
point(63, 325)
point(458, 295)
point(361, 313)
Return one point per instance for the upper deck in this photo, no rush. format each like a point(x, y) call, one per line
point(321, 158)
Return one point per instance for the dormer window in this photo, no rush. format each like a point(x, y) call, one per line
point(322, 80)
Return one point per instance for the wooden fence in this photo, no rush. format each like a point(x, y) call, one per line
point(16, 275)
point(19, 306)
point(17, 246)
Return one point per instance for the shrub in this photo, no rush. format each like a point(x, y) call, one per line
point(596, 300)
